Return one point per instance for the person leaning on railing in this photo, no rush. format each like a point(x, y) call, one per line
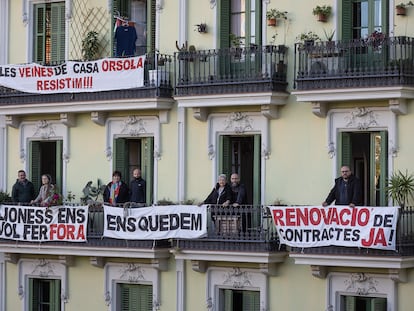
point(221, 193)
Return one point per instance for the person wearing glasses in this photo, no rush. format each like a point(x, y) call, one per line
point(346, 191)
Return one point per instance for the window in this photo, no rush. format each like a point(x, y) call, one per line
point(241, 154)
point(241, 18)
point(46, 158)
point(358, 303)
point(134, 297)
point(131, 153)
point(44, 294)
point(49, 32)
point(141, 13)
point(239, 300)
point(360, 18)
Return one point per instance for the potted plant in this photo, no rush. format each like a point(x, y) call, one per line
point(90, 46)
point(330, 44)
point(235, 43)
point(273, 14)
point(400, 188)
point(401, 9)
point(322, 12)
point(307, 38)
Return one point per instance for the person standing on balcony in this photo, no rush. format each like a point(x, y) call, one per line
point(116, 191)
point(23, 190)
point(221, 193)
point(47, 190)
point(238, 191)
point(346, 191)
point(137, 188)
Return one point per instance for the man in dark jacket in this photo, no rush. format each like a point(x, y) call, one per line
point(23, 190)
point(137, 188)
point(346, 191)
point(238, 190)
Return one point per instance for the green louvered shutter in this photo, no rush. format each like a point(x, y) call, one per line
point(33, 294)
point(34, 164)
point(121, 157)
point(379, 147)
point(350, 303)
point(54, 295)
point(224, 24)
point(59, 164)
point(147, 166)
point(39, 32)
point(57, 32)
point(225, 156)
point(134, 297)
point(346, 18)
point(251, 301)
point(151, 26)
point(378, 304)
point(344, 145)
point(225, 299)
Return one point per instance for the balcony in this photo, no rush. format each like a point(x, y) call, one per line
point(369, 69)
point(246, 229)
point(253, 75)
point(155, 94)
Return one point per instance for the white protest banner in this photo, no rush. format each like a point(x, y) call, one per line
point(156, 222)
point(75, 77)
point(315, 226)
point(40, 224)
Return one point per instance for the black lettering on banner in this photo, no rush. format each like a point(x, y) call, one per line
point(185, 221)
point(174, 221)
point(143, 224)
point(164, 223)
point(111, 222)
point(80, 216)
point(131, 227)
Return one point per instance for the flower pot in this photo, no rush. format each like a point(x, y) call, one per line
point(272, 22)
point(401, 10)
point(322, 18)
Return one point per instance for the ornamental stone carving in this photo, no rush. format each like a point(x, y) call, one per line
point(237, 278)
point(361, 284)
point(131, 273)
point(133, 126)
point(44, 130)
point(361, 118)
point(238, 123)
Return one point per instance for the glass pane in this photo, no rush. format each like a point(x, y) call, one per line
point(377, 15)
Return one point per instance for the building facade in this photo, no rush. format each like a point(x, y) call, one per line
point(222, 92)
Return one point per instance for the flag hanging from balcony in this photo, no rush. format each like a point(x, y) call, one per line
point(316, 226)
point(75, 77)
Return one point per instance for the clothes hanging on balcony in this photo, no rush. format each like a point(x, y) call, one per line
point(125, 37)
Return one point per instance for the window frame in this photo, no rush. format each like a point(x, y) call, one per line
point(235, 278)
point(131, 273)
point(29, 6)
point(42, 269)
point(360, 284)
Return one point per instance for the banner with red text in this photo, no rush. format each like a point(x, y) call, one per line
point(156, 222)
point(40, 224)
point(75, 77)
point(315, 226)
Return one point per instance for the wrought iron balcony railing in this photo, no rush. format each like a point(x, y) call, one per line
point(158, 71)
point(357, 63)
point(231, 70)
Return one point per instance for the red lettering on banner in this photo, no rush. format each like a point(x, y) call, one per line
point(375, 238)
point(277, 216)
point(315, 216)
point(66, 232)
point(122, 64)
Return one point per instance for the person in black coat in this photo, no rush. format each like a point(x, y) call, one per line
point(221, 193)
point(23, 190)
point(238, 191)
point(116, 191)
point(346, 191)
point(137, 188)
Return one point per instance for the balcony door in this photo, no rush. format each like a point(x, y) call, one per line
point(131, 153)
point(240, 21)
point(366, 153)
point(360, 18)
point(241, 155)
